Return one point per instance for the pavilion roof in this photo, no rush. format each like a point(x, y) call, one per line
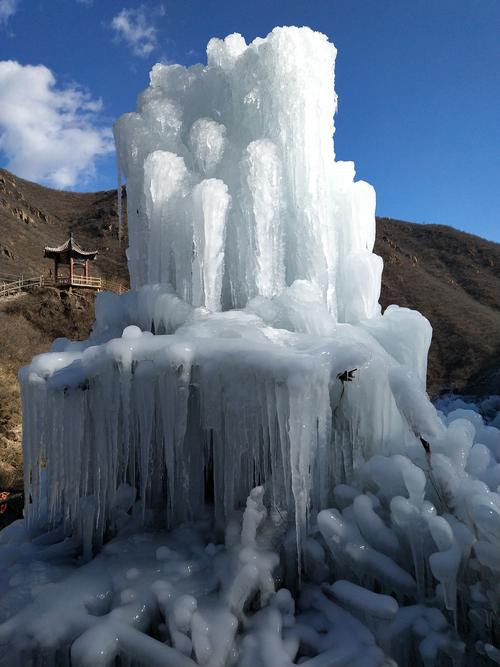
point(69, 248)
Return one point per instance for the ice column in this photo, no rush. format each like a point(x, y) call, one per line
point(210, 205)
point(233, 189)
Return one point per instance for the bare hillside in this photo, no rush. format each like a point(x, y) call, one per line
point(32, 216)
point(452, 278)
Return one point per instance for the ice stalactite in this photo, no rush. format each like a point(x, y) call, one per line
point(210, 205)
point(119, 198)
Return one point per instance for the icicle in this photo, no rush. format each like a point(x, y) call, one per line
point(119, 198)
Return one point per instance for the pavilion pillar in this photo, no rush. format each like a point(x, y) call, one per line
point(71, 270)
point(86, 269)
point(56, 268)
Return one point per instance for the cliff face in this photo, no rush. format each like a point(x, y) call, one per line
point(451, 277)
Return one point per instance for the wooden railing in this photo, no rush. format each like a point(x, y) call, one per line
point(83, 281)
point(98, 284)
point(22, 284)
point(113, 286)
point(15, 286)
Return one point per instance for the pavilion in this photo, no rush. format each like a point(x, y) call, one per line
point(72, 255)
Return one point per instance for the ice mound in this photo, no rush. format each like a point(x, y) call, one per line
point(222, 401)
point(425, 526)
point(249, 367)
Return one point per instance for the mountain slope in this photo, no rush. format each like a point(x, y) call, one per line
point(32, 216)
point(453, 278)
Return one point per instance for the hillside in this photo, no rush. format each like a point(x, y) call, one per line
point(32, 216)
point(451, 277)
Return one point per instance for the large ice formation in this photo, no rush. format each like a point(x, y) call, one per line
point(251, 261)
point(250, 360)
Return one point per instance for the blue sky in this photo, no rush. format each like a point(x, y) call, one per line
point(418, 84)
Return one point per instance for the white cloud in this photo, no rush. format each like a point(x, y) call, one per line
point(137, 29)
point(48, 133)
point(7, 9)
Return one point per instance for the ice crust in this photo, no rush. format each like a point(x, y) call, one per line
point(241, 465)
